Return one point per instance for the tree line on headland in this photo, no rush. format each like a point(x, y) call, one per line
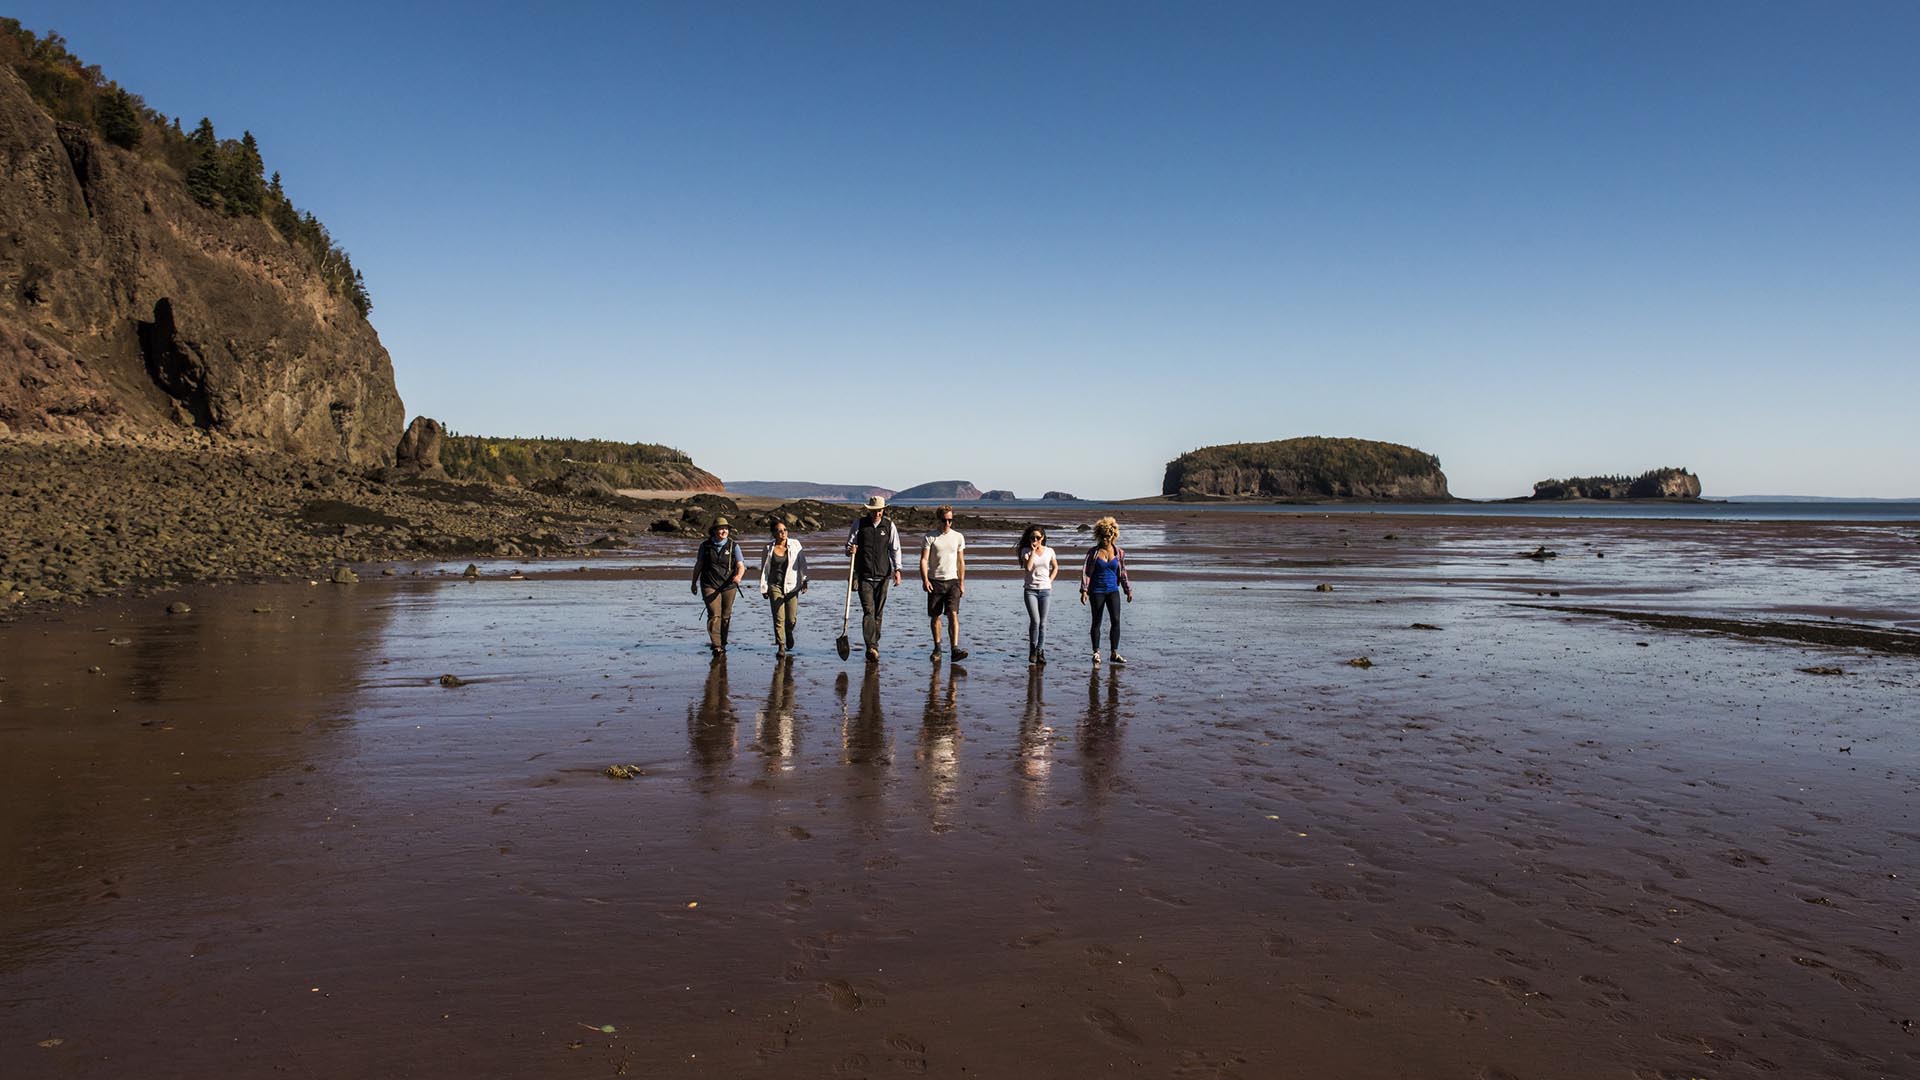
point(532, 460)
point(224, 175)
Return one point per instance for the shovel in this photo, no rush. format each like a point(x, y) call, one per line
point(844, 647)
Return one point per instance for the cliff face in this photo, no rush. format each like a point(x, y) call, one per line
point(1655, 484)
point(129, 311)
point(1307, 468)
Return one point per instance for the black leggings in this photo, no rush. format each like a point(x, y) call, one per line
point(1111, 602)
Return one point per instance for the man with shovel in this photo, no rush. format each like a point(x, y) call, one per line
point(874, 546)
point(717, 571)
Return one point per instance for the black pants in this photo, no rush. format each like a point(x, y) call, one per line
point(1111, 602)
point(873, 601)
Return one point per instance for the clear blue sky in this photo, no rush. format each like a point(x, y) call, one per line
point(1043, 246)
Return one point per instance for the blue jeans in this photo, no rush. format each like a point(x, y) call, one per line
point(1110, 601)
point(1037, 617)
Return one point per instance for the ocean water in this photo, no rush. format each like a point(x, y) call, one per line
point(1881, 510)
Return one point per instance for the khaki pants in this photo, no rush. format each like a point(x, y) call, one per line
point(719, 615)
point(786, 612)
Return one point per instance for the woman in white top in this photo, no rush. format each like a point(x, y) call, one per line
point(1038, 567)
point(783, 577)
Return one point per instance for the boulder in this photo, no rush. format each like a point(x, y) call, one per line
point(418, 453)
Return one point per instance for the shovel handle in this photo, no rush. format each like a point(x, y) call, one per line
point(846, 612)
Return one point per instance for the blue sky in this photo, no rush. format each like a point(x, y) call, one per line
point(1052, 246)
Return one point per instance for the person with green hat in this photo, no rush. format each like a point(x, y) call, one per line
point(717, 571)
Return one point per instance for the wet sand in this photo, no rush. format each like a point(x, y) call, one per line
point(1526, 843)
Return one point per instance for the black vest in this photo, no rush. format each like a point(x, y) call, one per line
point(716, 563)
point(873, 549)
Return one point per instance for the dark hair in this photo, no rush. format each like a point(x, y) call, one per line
point(1026, 539)
point(774, 525)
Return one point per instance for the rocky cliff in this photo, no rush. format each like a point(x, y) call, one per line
point(1307, 469)
point(130, 311)
point(1653, 484)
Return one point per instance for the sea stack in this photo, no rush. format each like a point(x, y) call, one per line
point(1306, 470)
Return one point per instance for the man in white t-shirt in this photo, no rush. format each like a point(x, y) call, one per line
point(943, 572)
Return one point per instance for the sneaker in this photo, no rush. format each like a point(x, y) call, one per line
point(873, 653)
point(1096, 658)
point(1041, 656)
point(934, 656)
point(1119, 661)
point(1033, 656)
point(959, 654)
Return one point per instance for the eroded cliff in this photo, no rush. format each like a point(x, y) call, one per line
point(127, 310)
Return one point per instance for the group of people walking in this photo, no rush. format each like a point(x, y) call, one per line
point(876, 566)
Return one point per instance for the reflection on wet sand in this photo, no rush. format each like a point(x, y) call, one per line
point(866, 752)
point(712, 726)
point(139, 746)
point(776, 735)
point(863, 733)
point(1034, 762)
point(1100, 739)
point(938, 753)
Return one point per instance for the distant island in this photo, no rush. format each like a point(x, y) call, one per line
point(1666, 483)
point(803, 489)
point(1308, 469)
point(998, 495)
point(947, 490)
point(1060, 496)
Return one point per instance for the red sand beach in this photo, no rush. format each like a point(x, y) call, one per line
point(260, 838)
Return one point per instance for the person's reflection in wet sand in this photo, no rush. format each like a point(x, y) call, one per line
point(1034, 763)
point(939, 749)
point(776, 736)
point(712, 726)
point(864, 751)
point(1100, 738)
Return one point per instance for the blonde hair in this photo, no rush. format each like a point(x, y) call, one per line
point(1105, 531)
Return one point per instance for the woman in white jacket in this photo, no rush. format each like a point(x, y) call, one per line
point(783, 577)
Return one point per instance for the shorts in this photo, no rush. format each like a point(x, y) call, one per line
point(944, 598)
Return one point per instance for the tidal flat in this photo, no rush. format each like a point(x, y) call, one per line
point(1534, 837)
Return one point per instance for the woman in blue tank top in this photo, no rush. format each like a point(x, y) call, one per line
point(1102, 582)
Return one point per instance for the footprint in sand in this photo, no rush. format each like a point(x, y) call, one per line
point(853, 1065)
point(798, 833)
point(1033, 940)
point(910, 1054)
point(1108, 1023)
point(1279, 946)
point(842, 994)
point(799, 897)
point(1464, 912)
point(1168, 986)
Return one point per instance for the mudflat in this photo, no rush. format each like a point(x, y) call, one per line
point(1534, 836)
